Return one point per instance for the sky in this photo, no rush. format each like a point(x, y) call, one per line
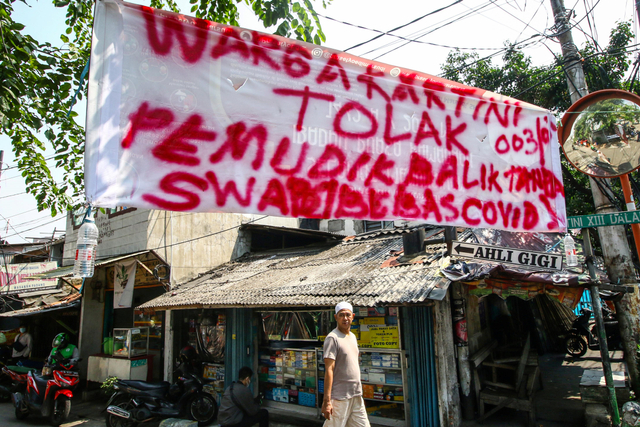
point(480, 26)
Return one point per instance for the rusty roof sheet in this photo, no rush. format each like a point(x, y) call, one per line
point(319, 275)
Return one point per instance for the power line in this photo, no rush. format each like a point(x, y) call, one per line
point(471, 12)
point(405, 38)
point(405, 25)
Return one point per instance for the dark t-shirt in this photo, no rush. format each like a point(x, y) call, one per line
point(229, 413)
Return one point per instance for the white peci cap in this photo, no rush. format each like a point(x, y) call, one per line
point(343, 305)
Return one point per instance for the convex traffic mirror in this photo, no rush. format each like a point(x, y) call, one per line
point(600, 133)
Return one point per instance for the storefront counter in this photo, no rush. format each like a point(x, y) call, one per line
point(103, 366)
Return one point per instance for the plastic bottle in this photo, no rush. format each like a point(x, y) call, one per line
point(86, 248)
point(570, 251)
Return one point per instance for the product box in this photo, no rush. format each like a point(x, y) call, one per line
point(364, 377)
point(280, 394)
point(306, 399)
point(320, 386)
point(376, 363)
point(378, 395)
point(377, 378)
point(310, 382)
point(293, 396)
point(395, 379)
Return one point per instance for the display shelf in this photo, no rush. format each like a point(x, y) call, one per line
point(384, 384)
point(380, 367)
point(384, 400)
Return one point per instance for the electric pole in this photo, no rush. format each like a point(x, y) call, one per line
point(617, 256)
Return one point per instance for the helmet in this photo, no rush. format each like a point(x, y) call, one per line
point(188, 354)
point(61, 340)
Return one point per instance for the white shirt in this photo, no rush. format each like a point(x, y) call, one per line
point(24, 339)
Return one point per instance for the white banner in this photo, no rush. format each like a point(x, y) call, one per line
point(123, 283)
point(190, 115)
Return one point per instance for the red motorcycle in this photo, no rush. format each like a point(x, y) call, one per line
point(13, 379)
point(49, 394)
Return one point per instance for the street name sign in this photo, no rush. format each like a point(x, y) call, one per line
point(602, 220)
point(508, 255)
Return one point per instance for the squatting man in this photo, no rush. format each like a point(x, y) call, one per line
point(343, 405)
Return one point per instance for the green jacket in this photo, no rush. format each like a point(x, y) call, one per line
point(69, 352)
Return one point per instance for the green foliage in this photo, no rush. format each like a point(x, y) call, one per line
point(38, 82)
point(107, 385)
point(546, 87)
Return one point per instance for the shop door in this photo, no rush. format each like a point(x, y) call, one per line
point(240, 339)
point(423, 381)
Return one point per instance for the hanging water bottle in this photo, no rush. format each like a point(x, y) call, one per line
point(86, 247)
point(570, 251)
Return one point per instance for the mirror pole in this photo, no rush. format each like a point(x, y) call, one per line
point(631, 206)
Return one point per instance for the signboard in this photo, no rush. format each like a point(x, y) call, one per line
point(14, 277)
point(383, 337)
point(509, 255)
point(602, 220)
point(190, 115)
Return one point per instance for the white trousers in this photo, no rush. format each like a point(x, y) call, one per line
point(348, 413)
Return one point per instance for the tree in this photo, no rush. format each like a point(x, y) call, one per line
point(39, 84)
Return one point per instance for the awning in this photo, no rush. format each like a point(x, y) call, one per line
point(320, 275)
point(67, 271)
point(70, 301)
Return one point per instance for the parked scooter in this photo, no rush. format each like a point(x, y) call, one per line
point(49, 394)
point(140, 401)
point(13, 379)
point(582, 337)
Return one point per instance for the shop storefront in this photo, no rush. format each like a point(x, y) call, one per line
point(291, 365)
point(272, 310)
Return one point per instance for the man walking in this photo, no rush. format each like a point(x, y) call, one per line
point(343, 405)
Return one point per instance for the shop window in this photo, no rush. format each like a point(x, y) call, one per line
point(297, 326)
point(77, 216)
point(377, 225)
point(153, 321)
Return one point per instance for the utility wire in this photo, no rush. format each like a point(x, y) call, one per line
point(428, 32)
point(404, 25)
point(405, 38)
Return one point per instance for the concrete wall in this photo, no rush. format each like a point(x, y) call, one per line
point(91, 323)
point(120, 234)
point(171, 234)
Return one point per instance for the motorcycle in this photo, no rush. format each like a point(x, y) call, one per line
point(13, 379)
point(49, 394)
point(582, 337)
point(136, 402)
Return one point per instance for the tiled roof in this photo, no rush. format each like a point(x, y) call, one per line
point(315, 276)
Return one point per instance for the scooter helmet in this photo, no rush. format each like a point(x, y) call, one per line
point(188, 354)
point(61, 340)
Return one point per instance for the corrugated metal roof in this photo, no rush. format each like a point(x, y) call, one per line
point(69, 301)
point(319, 275)
point(67, 271)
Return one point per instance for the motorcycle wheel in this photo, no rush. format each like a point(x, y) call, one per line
point(576, 346)
point(21, 414)
point(60, 411)
point(203, 409)
point(123, 402)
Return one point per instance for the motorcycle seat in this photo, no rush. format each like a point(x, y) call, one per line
point(143, 385)
point(20, 369)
